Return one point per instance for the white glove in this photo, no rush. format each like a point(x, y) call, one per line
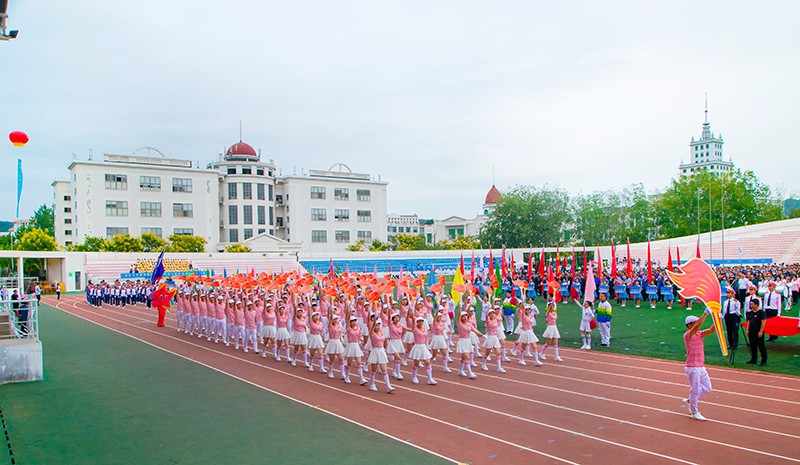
point(708, 311)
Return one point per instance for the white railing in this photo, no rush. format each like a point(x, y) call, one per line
point(20, 318)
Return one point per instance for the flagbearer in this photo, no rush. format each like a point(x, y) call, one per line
point(699, 382)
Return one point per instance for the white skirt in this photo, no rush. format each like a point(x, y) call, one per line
point(353, 350)
point(299, 339)
point(464, 345)
point(473, 338)
point(269, 332)
point(419, 352)
point(491, 342)
point(395, 346)
point(585, 327)
point(378, 356)
point(334, 347)
point(438, 342)
point(501, 335)
point(385, 331)
point(315, 342)
point(527, 337)
point(408, 337)
point(551, 333)
point(368, 345)
point(519, 329)
point(282, 334)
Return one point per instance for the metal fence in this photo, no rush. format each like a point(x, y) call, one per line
point(19, 319)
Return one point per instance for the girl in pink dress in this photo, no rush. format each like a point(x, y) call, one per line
point(420, 353)
point(179, 306)
point(194, 321)
point(408, 337)
point(551, 334)
point(299, 338)
point(527, 338)
point(219, 317)
point(335, 348)
point(269, 331)
point(353, 353)
point(229, 321)
point(438, 341)
point(238, 323)
point(315, 344)
point(394, 347)
point(377, 357)
point(250, 327)
point(492, 342)
point(466, 329)
point(282, 335)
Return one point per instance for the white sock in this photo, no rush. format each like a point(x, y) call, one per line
point(589, 340)
point(499, 363)
point(386, 380)
point(555, 351)
point(429, 371)
point(536, 355)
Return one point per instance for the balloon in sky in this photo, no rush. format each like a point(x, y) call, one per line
point(18, 138)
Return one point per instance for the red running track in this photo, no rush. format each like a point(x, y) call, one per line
point(593, 408)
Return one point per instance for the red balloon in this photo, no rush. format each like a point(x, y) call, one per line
point(18, 138)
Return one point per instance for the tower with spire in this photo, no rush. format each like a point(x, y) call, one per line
point(706, 153)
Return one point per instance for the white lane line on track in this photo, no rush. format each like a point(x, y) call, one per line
point(542, 424)
point(457, 427)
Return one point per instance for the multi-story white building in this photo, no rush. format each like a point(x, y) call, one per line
point(706, 153)
point(136, 194)
point(330, 210)
point(403, 224)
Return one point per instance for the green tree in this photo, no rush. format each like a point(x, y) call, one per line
point(526, 216)
point(237, 248)
point(694, 202)
point(794, 213)
point(359, 246)
point(379, 246)
point(90, 244)
point(408, 242)
point(458, 243)
point(43, 219)
point(600, 217)
point(152, 243)
point(124, 243)
point(186, 243)
point(36, 239)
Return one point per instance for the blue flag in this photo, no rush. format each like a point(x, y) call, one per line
point(158, 270)
point(19, 183)
point(432, 276)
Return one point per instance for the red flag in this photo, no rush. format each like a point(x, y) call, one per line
point(572, 268)
point(550, 273)
point(629, 269)
point(613, 261)
point(678, 250)
point(541, 263)
point(530, 265)
point(599, 264)
point(513, 267)
point(649, 264)
point(503, 263)
point(461, 264)
point(491, 261)
point(698, 247)
point(669, 258)
point(331, 268)
point(472, 266)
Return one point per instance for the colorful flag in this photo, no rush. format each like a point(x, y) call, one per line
point(572, 268)
point(584, 261)
point(499, 291)
point(458, 279)
point(613, 262)
point(629, 268)
point(678, 250)
point(599, 264)
point(649, 264)
point(530, 265)
point(669, 258)
point(472, 266)
point(697, 255)
point(513, 266)
point(541, 263)
point(491, 261)
point(503, 270)
point(158, 270)
point(591, 286)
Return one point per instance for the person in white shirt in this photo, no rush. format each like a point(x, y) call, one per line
point(743, 284)
point(773, 302)
point(731, 312)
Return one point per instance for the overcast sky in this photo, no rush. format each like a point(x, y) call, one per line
point(430, 95)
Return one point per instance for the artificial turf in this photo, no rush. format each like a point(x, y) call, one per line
point(109, 399)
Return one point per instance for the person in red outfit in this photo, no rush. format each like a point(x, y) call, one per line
point(161, 301)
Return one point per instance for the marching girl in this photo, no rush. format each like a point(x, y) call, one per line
point(269, 331)
point(361, 317)
point(299, 338)
point(473, 337)
point(194, 319)
point(250, 334)
point(438, 341)
point(324, 310)
point(202, 303)
point(419, 353)
point(466, 330)
point(377, 357)
point(229, 320)
point(238, 322)
point(335, 349)
point(315, 344)
point(492, 343)
point(587, 314)
point(179, 306)
point(282, 335)
point(219, 317)
point(352, 353)
point(527, 338)
point(394, 348)
point(551, 333)
point(408, 337)
point(258, 305)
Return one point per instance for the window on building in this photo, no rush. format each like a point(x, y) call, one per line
point(269, 192)
point(117, 182)
point(247, 170)
point(233, 235)
point(260, 172)
point(319, 236)
point(150, 183)
point(342, 237)
point(318, 214)
point(67, 209)
point(248, 233)
point(156, 231)
point(182, 210)
point(365, 236)
point(341, 215)
point(233, 214)
point(67, 198)
point(67, 232)
point(231, 170)
point(111, 232)
point(183, 231)
point(341, 193)
point(317, 192)
point(247, 190)
point(151, 209)
point(232, 191)
point(181, 185)
point(261, 230)
point(260, 191)
point(67, 220)
point(364, 216)
point(363, 195)
point(247, 214)
point(116, 208)
point(261, 214)
point(271, 216)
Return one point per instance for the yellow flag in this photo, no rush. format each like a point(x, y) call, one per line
point(457, 279)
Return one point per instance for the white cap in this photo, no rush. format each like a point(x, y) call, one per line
point(691, 319)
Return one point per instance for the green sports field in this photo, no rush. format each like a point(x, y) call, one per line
point(109, 399)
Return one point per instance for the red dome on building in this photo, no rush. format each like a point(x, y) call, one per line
point(241, 148)
point(492, 197)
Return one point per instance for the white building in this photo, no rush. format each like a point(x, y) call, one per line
point(706, 153)
point(330, 210)
point(136, 194)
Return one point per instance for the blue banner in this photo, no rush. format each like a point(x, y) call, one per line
point(19, 183)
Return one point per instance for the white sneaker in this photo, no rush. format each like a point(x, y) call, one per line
point(506, 359)
point(473, 376)
point(514, 352)
point(588, 347)
point(323, 370)
point(432, 382)
point(405, 363)
point(311, 369)
point(347, 380)
point(390, 390)
point(522, 362)
point(372, 387)
point(474, 364)
point(447, 370)
point(538, 363)
point(541, 356)
point(501, 370)
point(294, 363)
point(485, 368)
point(415, 380)
point(330, 374)
point(363, 382)
point(559, 359)
point(462, 374)
point(697, 416)
point(245, 350)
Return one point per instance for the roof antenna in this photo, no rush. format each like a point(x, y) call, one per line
point(706, 107)
point(493, 175)
point(240, 129)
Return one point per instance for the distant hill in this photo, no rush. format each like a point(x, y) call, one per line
point(5, 225)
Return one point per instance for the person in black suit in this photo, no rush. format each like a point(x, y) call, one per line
point(756, 321)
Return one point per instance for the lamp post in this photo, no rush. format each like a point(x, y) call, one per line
point(722, 201)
